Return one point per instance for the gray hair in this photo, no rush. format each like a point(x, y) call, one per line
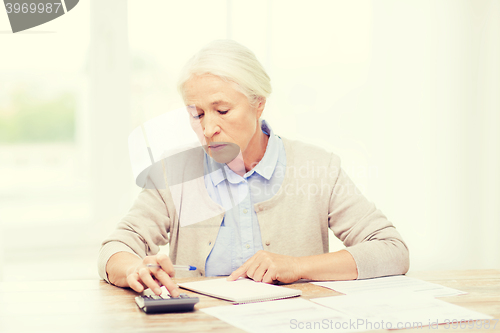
point(231, 62)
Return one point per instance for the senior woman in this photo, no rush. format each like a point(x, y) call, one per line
point(287, 195)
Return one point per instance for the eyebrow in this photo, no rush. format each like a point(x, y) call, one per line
point(220, 102)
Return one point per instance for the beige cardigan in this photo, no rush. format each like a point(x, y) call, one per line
point(315, 195)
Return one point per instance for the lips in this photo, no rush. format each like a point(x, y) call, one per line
point(222, 152)
point(217, 147)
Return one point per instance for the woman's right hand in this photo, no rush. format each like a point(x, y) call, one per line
point(140, 276)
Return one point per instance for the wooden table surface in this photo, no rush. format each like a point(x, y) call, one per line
point(95, 306)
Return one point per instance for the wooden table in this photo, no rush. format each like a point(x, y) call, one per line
point(94, 306)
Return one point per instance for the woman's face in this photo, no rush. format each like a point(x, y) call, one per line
point(222, 117)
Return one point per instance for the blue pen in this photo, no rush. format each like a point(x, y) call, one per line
point(176, 267)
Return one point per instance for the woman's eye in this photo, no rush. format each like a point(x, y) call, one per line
point(223, 111)
point(198, 116)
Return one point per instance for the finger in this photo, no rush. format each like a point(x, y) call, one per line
point(150, 260)
point(259, 272)
point(270, 276)
point(147, 279)
point(253, 268)
point(133, 282)
point(166, 264)
point(165, 280)
point(240, 272)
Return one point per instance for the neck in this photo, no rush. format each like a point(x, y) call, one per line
point(255, 151)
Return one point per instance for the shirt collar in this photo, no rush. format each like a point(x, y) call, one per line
point(265, 167)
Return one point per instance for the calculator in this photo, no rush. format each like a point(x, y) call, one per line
point(165, 303)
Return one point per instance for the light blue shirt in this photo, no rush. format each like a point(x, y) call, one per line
point(239, 235)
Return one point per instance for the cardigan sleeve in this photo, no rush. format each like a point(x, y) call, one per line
point(376, 246)
point(140, 232)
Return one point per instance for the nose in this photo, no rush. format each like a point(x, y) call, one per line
point(210, 125)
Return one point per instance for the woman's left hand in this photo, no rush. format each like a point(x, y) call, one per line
point(269, 267)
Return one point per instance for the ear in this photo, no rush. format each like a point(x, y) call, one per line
point(260, 104)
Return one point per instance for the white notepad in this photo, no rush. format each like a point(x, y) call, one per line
point(240, 291)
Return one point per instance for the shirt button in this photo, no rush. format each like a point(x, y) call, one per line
point(248, 246)
point(268, 243)
point(245, 211)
